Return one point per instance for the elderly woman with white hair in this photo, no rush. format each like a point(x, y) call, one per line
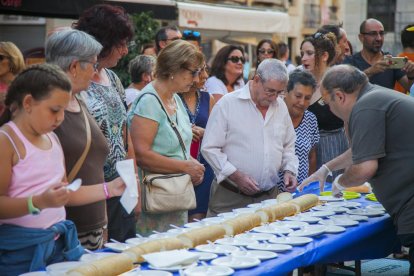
point(76, 53)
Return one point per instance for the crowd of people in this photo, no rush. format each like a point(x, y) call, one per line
point(239, 140)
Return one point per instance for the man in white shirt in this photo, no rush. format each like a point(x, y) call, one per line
point(249, 138)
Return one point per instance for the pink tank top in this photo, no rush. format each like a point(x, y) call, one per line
point(33, 175)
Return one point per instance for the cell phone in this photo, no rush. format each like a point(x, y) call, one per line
point(396, 62)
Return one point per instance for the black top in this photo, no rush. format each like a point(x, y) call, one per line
point(326, 119)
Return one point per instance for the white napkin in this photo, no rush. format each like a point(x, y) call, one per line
point(129, 198)
point(171, 258)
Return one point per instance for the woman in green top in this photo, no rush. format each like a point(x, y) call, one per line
point(157, 147)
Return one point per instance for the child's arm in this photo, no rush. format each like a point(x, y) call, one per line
point(55, 196)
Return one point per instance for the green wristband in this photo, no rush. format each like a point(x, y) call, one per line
point(32, 209)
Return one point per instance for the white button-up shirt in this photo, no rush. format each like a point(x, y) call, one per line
point(237, 137)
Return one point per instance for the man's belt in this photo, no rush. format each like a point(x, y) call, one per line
point(227, 185)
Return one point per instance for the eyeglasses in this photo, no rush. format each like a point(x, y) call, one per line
point(270, 91)
point(318, 35)
point(266, 51)
point(94, 64)
point(374, 34)
point(194, 73)
point(236, 59)
point(191, 33)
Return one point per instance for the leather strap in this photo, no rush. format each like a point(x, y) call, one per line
point(82, 158)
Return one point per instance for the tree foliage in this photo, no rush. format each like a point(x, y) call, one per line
point(145, 27)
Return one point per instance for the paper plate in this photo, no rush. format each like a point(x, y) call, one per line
point(310, 231)
point(271, 229)
point(256, 205)
point(256, 236)
point(303, 218)
point(371, 197)
point(320, 214)
point(138, 272)
point(346, 204)
point(270, 247)
point(87, 258)
point(366, 212)
point(329, 208)
point(339, 222)
point(227, 215)
point(35, 273)
point(163, 235)
point(345, 194)
point(236, 262)
point(260, 254)
point(205, 256)
point(117, 247)
point(173, 268)
point(197, 224)
point(376, 207)
point(333, 229)
point(217, 248)
point(177, 231)
point(351, 217)
point(235, 241)
point(213, 270)
point(136, 241)
point(295, 241)
point(290, 224)
point(270, 201)
point(214, 220)
point(62, 268)
point(246, 210)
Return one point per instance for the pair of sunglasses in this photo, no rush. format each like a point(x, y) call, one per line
point(189, 33)
point(235, 59)
point(268, 51)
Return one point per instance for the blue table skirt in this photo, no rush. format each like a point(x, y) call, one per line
point(372, 239)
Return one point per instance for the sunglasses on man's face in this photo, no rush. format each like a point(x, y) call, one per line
point(266, 51)
point(235, 59)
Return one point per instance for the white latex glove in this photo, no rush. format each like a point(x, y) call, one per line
point(336, 187)
point(320, 175)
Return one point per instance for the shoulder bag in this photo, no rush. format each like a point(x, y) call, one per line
point(163, 193)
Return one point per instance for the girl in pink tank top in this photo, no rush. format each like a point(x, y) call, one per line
point(32, 175)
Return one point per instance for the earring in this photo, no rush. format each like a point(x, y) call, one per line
point(172, 77)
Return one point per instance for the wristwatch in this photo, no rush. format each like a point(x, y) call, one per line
point(32, 209)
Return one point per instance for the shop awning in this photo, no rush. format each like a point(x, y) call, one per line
point(162, 9)
point(198, 16)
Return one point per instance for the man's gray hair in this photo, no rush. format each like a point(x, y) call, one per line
point(272, 69)
point(139, 65)
point(63, 47)
point(346, 78)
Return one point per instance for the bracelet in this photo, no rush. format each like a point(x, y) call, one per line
point(329, 171)
point(32, 209)
point(105, 187)
point(337, 185)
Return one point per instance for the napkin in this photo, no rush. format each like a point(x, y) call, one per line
point(129, 198)
point(171, 258)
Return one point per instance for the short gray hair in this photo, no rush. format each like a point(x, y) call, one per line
point(272, 69)
point(63, 47)
point(346, 78)
point(139, 65)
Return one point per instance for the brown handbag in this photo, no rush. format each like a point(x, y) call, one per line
point(163, 193)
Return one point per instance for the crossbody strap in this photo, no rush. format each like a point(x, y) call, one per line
point(82, 158)
point(172, 123)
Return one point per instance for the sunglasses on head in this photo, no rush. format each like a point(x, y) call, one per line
point(235, 59)
point(318, 35)
point(266, 51)
point(191, 33)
